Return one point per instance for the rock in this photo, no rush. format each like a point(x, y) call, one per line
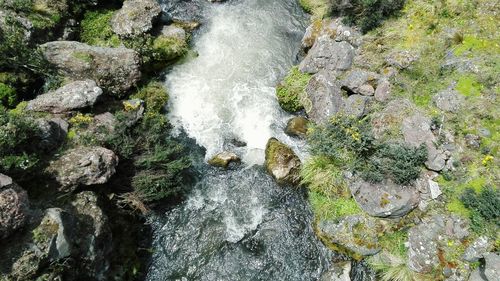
point(386, 200)
point(282, 163)
point(388, 120)
point(436, 158)
point(24, 25)
point(492, 266)
point(136, 17)
point(14, 206)
point(339, 271)
point(52, 132)
point(52, 237)
point(297, 127)
point(355, 105)
point(428, 189)
point(84, 166)
point(184, 12)
point(448, 100)
point(401, 59)
point(472, 141)
point(477, 275)
point(328, 54)
point(426, 239)
point(383, 91)
point(356, 234)
point(322, 97)
point(113, 69)
point(476, 249)
point(360, 82)
point(332, 28)
point(174, 31)
point(223, 159)
point(75, 95)
point(135, 110)
point(94, 239)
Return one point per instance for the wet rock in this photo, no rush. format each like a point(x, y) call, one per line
point(476, 249)
point(339, 271)
point(386, 200)
point(401, 59)
point(492, 266)
point(355, 105)
point(328, 54)
point(223, 159)
point(472, 141)
point(113, 69)
point(52, 132)
point(448, 100)
point(426, 238)
point(14, 206)
point(356, 234)
point(84, 166)
point(322, 97)
point(282, 163)
point(383, 91)
point(136, 17)
point(361, 82)
point(174, 31)
point(297, 127)
point(75, 95)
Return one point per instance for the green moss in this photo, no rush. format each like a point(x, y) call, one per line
point(83, 56)
point(318, 8)
point(468, 86)
point(154, 95)
point(394, 243)
point(96, 29)
point(290, 90)
point(457, 207)
point(325, 207)
point(474, 44)
point(168, 48)
point(321, 175)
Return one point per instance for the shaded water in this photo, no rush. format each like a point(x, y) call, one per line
point(237, 224)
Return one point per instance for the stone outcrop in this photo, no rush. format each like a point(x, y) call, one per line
point(135, 17)
point(322, 97)
point(328, 54)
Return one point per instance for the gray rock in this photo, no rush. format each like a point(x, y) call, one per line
point(52, 132)
point(477, 275)
point(389, 119)
point(174, 31)
point(328, 54)
point(476, 249)
point(355, 105)
point(448, 100)
point(113, 69)
point(356, 233)
point(383, 91)
point(52, 237)
point(297, 127)
point(75, 95)
point(136, 17)
point(436, 158)
point(426, 238)
point(333, 28)
point(84, 166)
point(322, 97)
point(401, 59)
point(23, 24)
point(386, 200)
point(492, 266)
point(14, 206)
point(360, 82)
point(339, 271)
point(135, 110)
point(223, 159)
point(282, 163)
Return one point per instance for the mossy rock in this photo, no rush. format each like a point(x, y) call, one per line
point(223, 159)
point(282, 163)
point(297, 126)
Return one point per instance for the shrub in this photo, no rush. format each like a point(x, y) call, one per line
point(8, 95)
point(486, 203)
point(154, 95)
point(368, 14)
point(290, 90)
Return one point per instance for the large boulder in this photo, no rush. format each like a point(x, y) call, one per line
point(114, 69)
point(135, 17)
point(52, 237)
point(14, 206)
point(328, 54)
point(322, 97)
point(426, 239)
point(84, 166)
point(356, 105)
point(333, 28)
point(386, 200)
point(282, 163)
point(356, 234)
point(361, 82)
point(75, 95)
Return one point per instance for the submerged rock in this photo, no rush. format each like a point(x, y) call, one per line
point(328, 54)
point(223, 159)
point(357, 234)
point(297, 126)
point(113, 69)
point(322, 97)
point(135, 17)
point(84, 166)
point(75, 95)
point(282, 163)
point(14, 206)
point(386, 200)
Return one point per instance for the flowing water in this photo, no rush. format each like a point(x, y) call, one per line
point(237, 224)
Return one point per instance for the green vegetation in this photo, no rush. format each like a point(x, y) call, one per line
point(368, 14)
point(317, 8)
point(8, 95)
point(394, 268)
point(96, 29)
point(154, 95)
point(290, 90)
point(326, 207)
point(484, 205)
